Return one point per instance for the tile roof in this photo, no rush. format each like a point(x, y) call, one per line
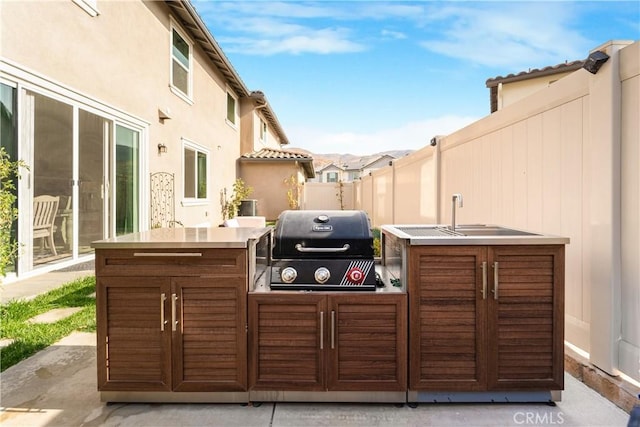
point(525, 75)
point(271, 154)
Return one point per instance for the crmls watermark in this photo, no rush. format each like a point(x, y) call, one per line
point(538, 418)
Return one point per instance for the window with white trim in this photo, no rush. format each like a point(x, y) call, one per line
point(332, 176)
point(263, 131)
point(181, 57)
point(195, 160)
point(231, 109)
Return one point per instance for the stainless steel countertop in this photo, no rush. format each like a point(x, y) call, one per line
point(451, 240)
point(187, 238)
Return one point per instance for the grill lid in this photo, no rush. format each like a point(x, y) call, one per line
point(323, 234)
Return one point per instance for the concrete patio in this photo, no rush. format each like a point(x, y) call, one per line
point(57, 387)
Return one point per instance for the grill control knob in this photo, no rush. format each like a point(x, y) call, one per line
point(355, 275)
point(322, 275)
point(288, 275)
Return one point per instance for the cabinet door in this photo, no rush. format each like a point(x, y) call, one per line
point(134, 343)
point(447, 318)
point(367, 342)
point(209, 333)
point(526, 317)
point(287, 339)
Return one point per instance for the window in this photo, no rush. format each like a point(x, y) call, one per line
point(231, 109)
point(263, 130)
point(332, 176)
point(195, 172)
point(180, 64)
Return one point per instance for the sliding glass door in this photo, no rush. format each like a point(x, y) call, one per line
point(50, 127)
point(127, 181)
point(94, 136)
point(83, 182)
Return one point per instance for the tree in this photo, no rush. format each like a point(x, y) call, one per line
point(293, 192)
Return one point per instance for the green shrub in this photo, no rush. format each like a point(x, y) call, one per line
point(9, 173)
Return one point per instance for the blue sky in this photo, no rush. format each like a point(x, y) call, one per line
point(362, 77)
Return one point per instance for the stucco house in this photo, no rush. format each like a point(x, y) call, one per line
point(330, 173)
point(351, 170)
point(277, 178)
point(504, 91)
point(129, 116)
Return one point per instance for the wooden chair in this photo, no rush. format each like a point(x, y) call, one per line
point(45, 209)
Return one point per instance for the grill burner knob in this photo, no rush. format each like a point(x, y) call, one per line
point(322, 275)
point(288, 275)
point(355, 275)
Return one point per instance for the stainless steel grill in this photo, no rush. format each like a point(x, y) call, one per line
point(323, 250)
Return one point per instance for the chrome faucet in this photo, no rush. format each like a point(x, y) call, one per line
point(458, 197)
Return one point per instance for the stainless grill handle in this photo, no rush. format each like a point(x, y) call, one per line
point(321, 330)
point(301, 248)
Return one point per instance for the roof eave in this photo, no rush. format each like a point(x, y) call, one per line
point(192, 21)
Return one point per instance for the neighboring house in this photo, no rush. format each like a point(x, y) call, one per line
point(374, 163)
point(127, 113)
point(365, 165)
point(330, 173)
point(277, 178)
point(505, 91)
point(352, 170)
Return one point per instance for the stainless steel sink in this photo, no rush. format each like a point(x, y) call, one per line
point(462, 231)
point(469, 234)
point(491, 230)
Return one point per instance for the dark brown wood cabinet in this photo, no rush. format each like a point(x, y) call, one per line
point(165, 324)
point(318, 342)
point(486, 317)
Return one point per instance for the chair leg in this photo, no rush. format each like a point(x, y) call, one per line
point(53, 245)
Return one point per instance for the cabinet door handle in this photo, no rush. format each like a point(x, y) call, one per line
point(484, 280)
point(495, 280)
point(174, 321)
point(163, 298)
point(321, 330)
point(333, 329)
point(167, 254)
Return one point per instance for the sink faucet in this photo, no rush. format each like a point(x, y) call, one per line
point(458, 197)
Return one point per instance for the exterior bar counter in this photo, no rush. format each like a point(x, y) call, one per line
point(486, 306)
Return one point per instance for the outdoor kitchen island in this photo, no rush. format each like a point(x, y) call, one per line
point(171, 313)
point(486, 308)
point(188, 315)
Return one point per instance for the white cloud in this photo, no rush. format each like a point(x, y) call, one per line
point(503, 34)
point(323, 41)
point(411, 136)
point(389, 34)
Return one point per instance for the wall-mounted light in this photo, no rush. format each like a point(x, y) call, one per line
point(433, 141)
point(162, 148)
point(164, 113)
point(595, 60)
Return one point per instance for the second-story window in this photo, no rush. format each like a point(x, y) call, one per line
point(231, 109)
point(180, 63)
point(263, 130)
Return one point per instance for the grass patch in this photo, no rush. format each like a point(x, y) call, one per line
point(31, 338)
